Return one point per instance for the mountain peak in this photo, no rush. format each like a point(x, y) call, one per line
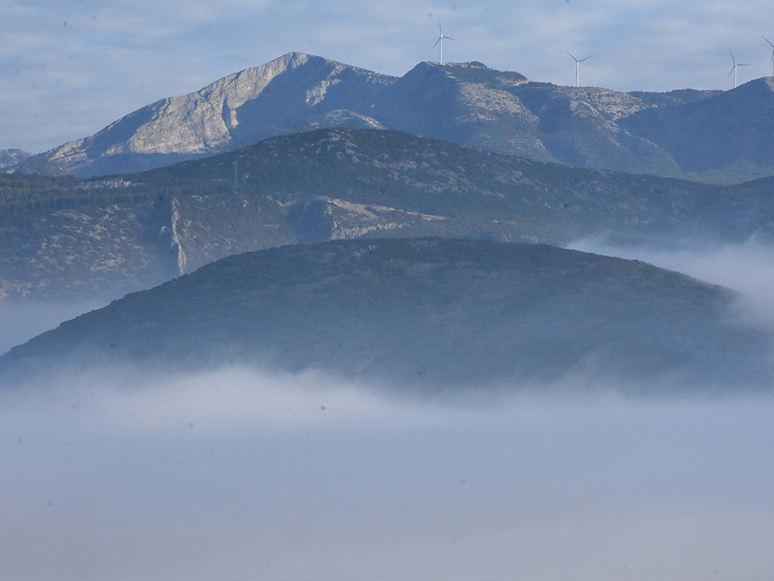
point(237, 110)
point(761, 85)
point(10, 158)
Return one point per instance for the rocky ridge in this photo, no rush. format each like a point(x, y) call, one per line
point(335, 184)
point(465, 103)
point(292, 93)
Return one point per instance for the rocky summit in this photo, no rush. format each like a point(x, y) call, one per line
point(668, 134)
point(292, 93)
point(422, 312)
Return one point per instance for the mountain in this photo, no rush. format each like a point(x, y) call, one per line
point(61, 237)
point(729, 133)
point(465, 103)
point(11, 158)
point(295, 92)
point(428, 312)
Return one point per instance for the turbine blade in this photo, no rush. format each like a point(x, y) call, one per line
point(732, 56)
point(587, 58)
point(572, 57)
point(767, 40)
point(743, 65)
point(732, 71)
point(437, 41)
point(440, 28)
point(449, 38)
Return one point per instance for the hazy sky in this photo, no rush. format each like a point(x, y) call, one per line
point(67, 69)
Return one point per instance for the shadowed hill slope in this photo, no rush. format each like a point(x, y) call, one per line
point(423, 312)
point(729, 133)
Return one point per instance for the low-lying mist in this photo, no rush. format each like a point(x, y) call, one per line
point(238, 474)
point(121, 473)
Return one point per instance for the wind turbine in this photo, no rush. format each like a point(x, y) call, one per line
point(440, 39)
point(577, 67)
point(736, 66)
point(772, 55)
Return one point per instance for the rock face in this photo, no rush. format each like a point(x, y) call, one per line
point(81, 251)
point(428, 312)
point(292, 93)
point(669, 134)
point(63, 235)
point(505, 112)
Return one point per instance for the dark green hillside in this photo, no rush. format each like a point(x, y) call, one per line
point(63, 238)
point(473, 192)
point(676, 97)
point(30, 192)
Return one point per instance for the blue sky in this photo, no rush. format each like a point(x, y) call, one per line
point(67, 69)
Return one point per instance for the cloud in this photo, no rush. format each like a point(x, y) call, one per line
point(130, 399)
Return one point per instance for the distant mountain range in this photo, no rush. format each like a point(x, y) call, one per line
point(12, 158)
point(63, 237)
point(420, 312)
point(714, 136)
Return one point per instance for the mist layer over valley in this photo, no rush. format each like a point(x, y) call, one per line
point(240, 474)
point(115, 472)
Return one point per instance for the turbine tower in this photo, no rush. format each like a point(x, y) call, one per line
point(577, 67)
point(440, 39)
point(736, 66)
point(772, 55)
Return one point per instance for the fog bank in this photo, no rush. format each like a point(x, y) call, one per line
point(239, 474)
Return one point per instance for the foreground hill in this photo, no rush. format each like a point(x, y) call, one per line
point(466, 103)
point(63, 235)
point(433, 312)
